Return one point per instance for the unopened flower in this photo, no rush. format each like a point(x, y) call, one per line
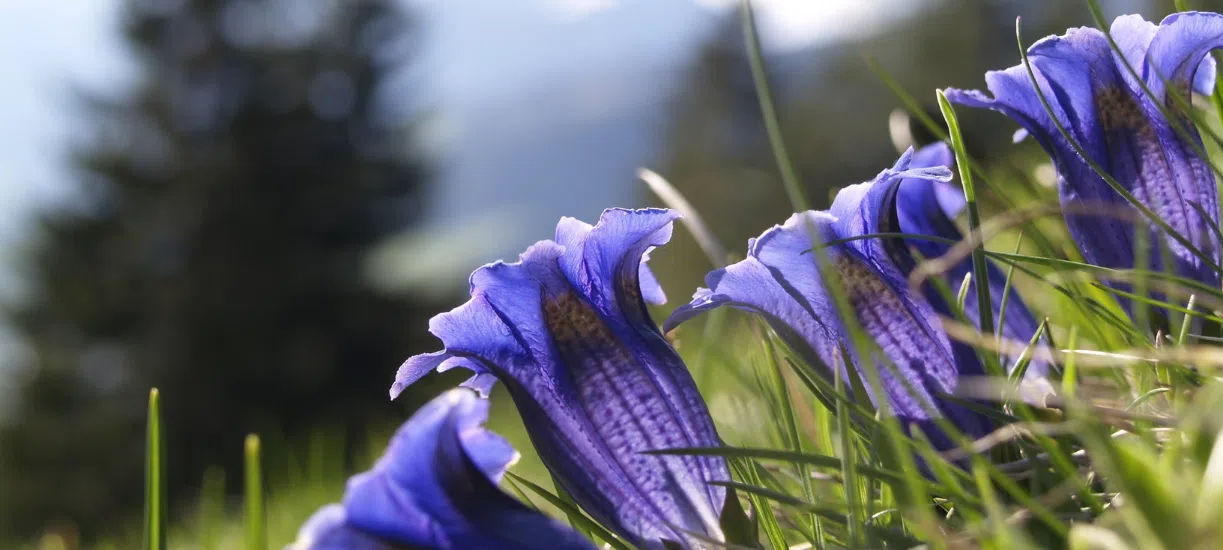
point(435, 489)
point(567, 331)
point(918, 365)
point(1123, 129)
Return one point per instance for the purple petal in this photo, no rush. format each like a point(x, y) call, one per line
point(780, 280)
point(435, 487)
point(1204, 78)
point(950, 198)
point(327, 529)
point(1180, 49)
point(651, 291)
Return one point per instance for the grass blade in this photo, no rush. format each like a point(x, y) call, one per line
point(212, 508)
point(154, 477)
point(979, 267)
point(747, 470)
point(255, 516)
point(569, 510)
point(572, 512)
point(764, 93)
point(792, 436)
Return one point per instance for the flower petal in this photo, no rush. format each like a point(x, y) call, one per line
point(327, 529)
point(1180, 49)
point(435, 486)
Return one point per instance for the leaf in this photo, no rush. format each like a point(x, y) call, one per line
point(738, 528)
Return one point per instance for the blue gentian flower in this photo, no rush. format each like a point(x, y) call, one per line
point(929, 207)
point(1105, 110)
point(780, 282)
point(435, 489)
point(567, 331)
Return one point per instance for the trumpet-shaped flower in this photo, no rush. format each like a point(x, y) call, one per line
point(435, 488)
point(567, 331)
point(779, 281)
point(1122, 129)
point(928, 208)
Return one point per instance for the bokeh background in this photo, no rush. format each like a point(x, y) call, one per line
point(256, 205)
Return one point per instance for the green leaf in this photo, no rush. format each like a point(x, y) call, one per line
point(738, 528)
point(822, 461)
point(789, 177)
point(790, 430)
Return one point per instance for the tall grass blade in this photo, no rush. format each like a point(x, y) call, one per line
point(1006, 289)
point(849, 472)
point(766, 519)
point(764, 93)
point(792, 436)
point(255, 515)
point(979, 267)
point(572, 511)
point(154, 477)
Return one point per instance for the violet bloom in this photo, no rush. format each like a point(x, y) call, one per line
point(780, 282)
point(929, 207)
point(1121, 129)
point(435, 489)
point(567, 331)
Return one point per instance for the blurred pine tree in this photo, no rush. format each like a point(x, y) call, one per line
point(216, 253)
